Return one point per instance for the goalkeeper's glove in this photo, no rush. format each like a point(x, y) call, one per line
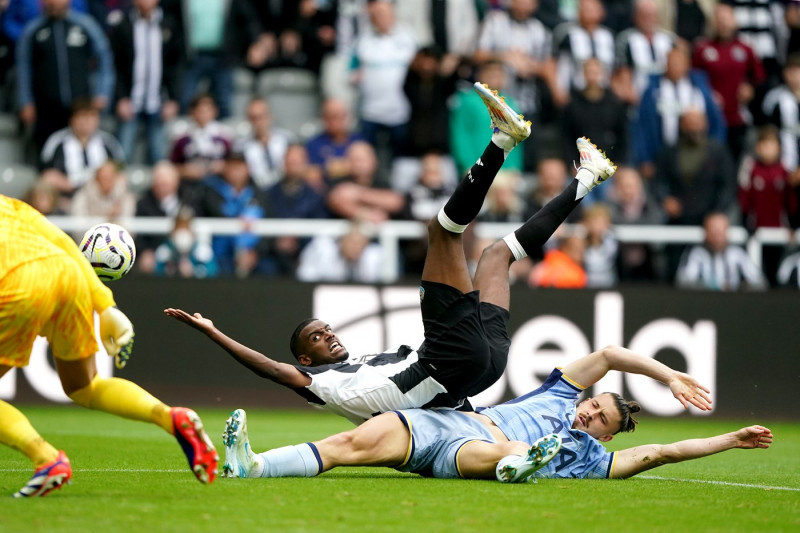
point(116, 332)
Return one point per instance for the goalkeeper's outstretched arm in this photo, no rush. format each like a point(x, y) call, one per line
point(259, 363)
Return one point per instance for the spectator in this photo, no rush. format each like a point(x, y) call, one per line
point(48, 80)
point(316, 21)
point(380, 59)
point(219, 34)
point(148, 51)
point(449, 25)
point(265, 148)
point(181, 254)
point(428, 87)
point(44, 197)
point(503, 202)
point(522, 44)
point(202, 149)
point(665, 100)
point(600, 255)
point(695, 176)
point(423, 201)
point(292, 197)
point(326, 151)
point(19, 13)
point(792, 19)
point(233, 195)
point(760, 28)
point(641, 52)
point(781, 109)
point(595, 112)
point(352, 258)
point(160, 200)
point(561, 267)
point(357, 198)
point(575, 42)
point(552, 177)
point(765, 195)
point(78, 150)
point(734, 71)
point(469, 128)
point(716, 264)
point(105, 196)
point(630, 204)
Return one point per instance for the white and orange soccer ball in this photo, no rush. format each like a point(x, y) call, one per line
point(110, 250)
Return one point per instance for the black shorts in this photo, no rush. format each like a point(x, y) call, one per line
point(466, 341)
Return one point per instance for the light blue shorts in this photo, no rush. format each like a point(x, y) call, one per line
point(436, 438)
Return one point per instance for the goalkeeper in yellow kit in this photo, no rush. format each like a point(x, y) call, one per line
point(48, 288)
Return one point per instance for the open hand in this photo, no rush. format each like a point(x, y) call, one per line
point(687, 390)
point(196, 320)
point(753, 437)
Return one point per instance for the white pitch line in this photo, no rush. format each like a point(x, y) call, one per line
point(724, 483)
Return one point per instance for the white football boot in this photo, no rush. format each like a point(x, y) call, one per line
point(518, 469)
point(239, 458)
point(510, 128)
point(596, 162)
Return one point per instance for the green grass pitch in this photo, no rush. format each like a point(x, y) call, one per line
point(129, 476)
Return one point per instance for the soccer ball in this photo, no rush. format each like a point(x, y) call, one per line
point(110, 250)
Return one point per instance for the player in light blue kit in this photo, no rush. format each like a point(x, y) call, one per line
point(544, 433)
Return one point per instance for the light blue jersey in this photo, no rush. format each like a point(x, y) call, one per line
point(551, 409)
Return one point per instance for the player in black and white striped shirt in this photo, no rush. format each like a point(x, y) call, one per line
point(465, 319)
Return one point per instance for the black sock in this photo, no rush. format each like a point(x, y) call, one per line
point(466, 201)
point(541, 226)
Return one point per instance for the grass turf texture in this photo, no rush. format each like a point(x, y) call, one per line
point(129, 476)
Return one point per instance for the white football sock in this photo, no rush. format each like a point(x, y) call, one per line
point(515, 247)
point(585, 182)
point(505, 141)
point(301, 460)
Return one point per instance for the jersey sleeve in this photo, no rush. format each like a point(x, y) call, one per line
point(564, 387)
point(102, 298)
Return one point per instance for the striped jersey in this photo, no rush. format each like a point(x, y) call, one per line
point(783, 108)
point(366, 386)
point(552, 409)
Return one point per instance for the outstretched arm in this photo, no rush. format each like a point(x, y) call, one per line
point(260, 364)
point(590, 369)
point(635, 460)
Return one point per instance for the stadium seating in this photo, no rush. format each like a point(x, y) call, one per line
point(17, 179)
point(293, 97)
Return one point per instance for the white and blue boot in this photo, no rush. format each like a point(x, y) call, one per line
point(239, 458)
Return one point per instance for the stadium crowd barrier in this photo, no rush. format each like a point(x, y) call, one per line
point(389, 234)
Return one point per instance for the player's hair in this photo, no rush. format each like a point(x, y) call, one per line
point(295, 338)
point(626, 410)
point(82, 105)
point(792, 60)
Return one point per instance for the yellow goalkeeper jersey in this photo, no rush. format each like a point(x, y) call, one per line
point(26, 235)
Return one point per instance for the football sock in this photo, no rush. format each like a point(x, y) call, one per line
point(585, 180)
point(300, 460)
point(123, 398)
point(534, 233)
point(16, 431)
point(467, 200)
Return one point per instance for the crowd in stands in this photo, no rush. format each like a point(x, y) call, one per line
point(697, 101)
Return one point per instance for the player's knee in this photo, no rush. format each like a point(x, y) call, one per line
point(83, 395)
point(497, 252)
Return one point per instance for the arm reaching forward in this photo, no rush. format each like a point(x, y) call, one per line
point(590, 369)
point(260, 364)
point(635, 460)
